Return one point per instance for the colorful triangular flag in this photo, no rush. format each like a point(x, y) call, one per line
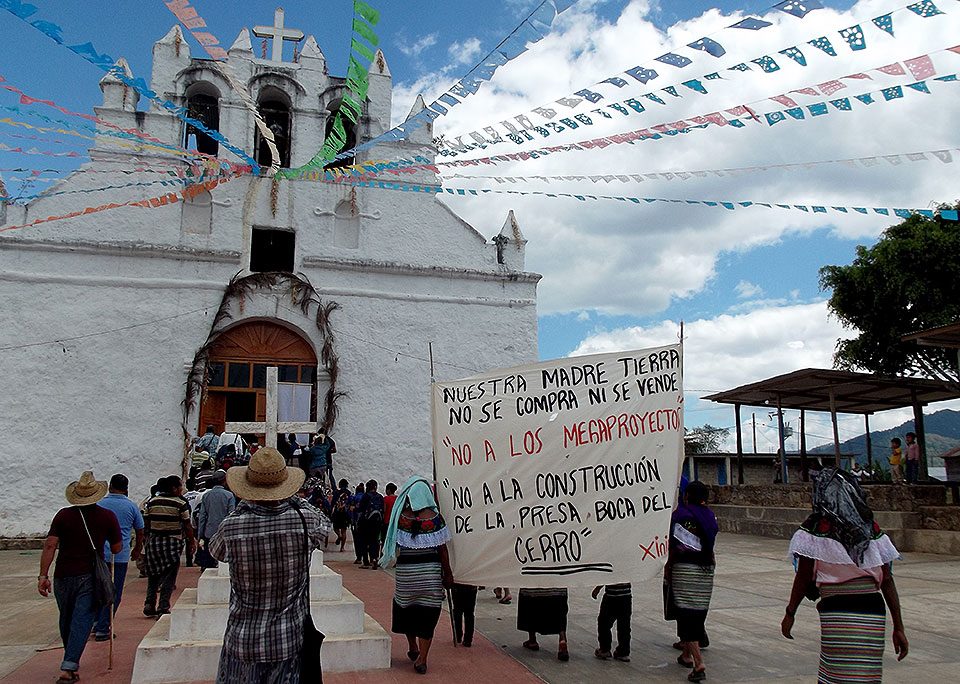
point(708, 45)
point(798, 8)
point(921, 67)
point(751, 24)
point(766, 63)
point(673, 59)
point(884, 23)
point(823, 43)
point(924, 8)
point(795, 54)
point(920, 87)
point(854, 37)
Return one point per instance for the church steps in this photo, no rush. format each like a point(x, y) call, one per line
point(795, 516)
point(325, 585)
point(190, 620)
point(163, 661)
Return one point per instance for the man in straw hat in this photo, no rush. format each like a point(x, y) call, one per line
point(76, 535)
point(167, 518)
point(267, 541)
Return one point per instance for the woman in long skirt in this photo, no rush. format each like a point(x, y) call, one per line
point(543, 611)
point(844, 559)
point(416, 539)
point(689, 573)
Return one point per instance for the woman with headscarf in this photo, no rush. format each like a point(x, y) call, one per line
point(689, 573)
point(416, 540)
point(844, 559)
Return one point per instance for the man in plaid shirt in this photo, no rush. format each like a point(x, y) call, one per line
point(267, 541)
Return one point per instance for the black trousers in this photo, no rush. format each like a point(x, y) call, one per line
point(617, 609)
point(370, 540)
point(162, 585)
point(464, 605)
point(358, 541)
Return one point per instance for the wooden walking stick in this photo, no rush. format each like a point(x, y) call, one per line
point(453, 624)
point(110, 651)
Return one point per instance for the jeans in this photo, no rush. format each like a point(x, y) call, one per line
point(164, 584)
point(617, 609)
point(103, 621)
point(77, 613)
point(913, 470)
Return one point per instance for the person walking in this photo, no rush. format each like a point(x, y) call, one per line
point(77, 535)
point(268, 541)
point(217, 503)
point(358, 541)
point(341, 515)
point(167, 520)
point(209, 442)
point(689, 573)
point(131, 525)
point(416, 542)
point(844, 559)
point(616, 607)
point(370, 514)
point(544, 611)
point(464, 609)
point(321, 453)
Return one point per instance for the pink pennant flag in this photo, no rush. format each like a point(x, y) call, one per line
point(785, 101)
point(738, 111)
point(859, 77)
point(26, 99)
point(717, 118)
point(807, 91)
point(662, 128)
point(679, 125)
point(830, 87)
point(699, 120)
point(894, 69)
point(921, 67)
point(955, 48)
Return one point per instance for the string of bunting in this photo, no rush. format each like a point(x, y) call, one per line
point(105, 62)
point(365, 18)
point(531, 30)
point(944, 155)
point(743, 114)
point(946, 214)
point(524, 129)
point(191, 19)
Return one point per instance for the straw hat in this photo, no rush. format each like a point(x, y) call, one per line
point(86, 490)
point(267, 478)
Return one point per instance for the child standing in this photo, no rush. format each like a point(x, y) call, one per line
point(616, 606)
point(913, 458)
point(464, 605)
point(896, 460)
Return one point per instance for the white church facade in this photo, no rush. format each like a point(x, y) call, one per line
point(126, 331)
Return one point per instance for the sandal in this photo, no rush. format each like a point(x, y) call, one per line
point(74, 677)
point(697, 675)
point(506, 600)
point(684, 663)
point(563, 655)
point(531, 645)
point(413, 655)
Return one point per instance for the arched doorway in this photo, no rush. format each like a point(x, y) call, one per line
point(237, 373)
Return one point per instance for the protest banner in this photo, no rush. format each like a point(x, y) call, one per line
point(561, 473)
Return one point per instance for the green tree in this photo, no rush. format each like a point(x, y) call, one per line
point(908, 281)
point(705, 439)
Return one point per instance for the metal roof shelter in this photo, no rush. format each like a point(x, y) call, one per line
point(944, 336)
point(836, 391)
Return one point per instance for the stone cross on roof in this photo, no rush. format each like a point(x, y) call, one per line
point(278, 34)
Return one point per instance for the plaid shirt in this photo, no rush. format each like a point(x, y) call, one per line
point(269, 561)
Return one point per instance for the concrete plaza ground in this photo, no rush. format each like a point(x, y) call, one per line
point(753, 579)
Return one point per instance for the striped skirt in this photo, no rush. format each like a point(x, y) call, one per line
point(418, 598)
point(692, 588)
point(852, 623)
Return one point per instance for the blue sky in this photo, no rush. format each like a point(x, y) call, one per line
point(615, 276)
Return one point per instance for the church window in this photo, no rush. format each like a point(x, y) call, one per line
point(308, 374)
point(287, 373)
point(216, 374)
point(238, 375)
point(203, 104)
point(196, 214)
point(272, 250)
point(350, 131)
point(346, 225)
point(259, 375)
point(276, 114)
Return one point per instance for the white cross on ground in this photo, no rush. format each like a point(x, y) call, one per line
point(278, 34)
point(271, 427)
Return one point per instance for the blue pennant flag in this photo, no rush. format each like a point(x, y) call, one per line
point(671, 90)
point(818, 109)
point(924, 8)
point(694, 84)
point(892, 93)
point(881, 211)
point(903, 213)
point(925, 212)
point(795, 112)
point(713, 77)
point(865, 99)
point(728, 205)
point(673, 59)
point(767, 64)
point(920, 87)
point(654, 97)
point(798, 8)
point(708, 45)
point(860, 210)
point(615, 80)
point(774, 118)
point(641, 74)
point(884, 23)
point(751, 24)
point(854, 37)
point(801, 207)
point(795, 54)
point(823, 43)
point(948, 77)
point(818, 209)
point(843, 104)
point(737, 123)
point(740, 67)
point(949, 214)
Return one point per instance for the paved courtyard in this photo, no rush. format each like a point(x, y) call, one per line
point(753, 579)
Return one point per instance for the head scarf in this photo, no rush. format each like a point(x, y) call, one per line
point(840, 512)
point(416, 494)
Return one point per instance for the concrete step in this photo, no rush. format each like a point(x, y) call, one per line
point(160, 660)
point(930, 541)
point(887, 519)
point(191, 621)
point(325, 585)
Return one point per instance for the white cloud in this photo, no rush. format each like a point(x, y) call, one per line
point(747, 290)
point(627, 259)
point(465, 53)
point(415, 48)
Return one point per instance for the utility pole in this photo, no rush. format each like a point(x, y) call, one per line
point(754, 432)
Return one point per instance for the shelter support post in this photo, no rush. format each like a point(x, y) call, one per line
point(784, 470)
point(804, 466)
point(921, 434)
point(866, 431)
point(736, 409)
point(836, 430)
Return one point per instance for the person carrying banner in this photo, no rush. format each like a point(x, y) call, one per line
point(416, 541)
point(544, 611)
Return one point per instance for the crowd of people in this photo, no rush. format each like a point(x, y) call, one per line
point(266, 517)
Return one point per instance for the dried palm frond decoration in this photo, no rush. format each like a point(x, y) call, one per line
point(303, 296)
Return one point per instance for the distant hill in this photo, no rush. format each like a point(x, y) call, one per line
point(943, 434)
